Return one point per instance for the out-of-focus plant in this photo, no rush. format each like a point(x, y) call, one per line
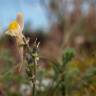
point(56, 81)
point(61, 76)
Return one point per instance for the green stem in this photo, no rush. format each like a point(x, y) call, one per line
point(34, 79)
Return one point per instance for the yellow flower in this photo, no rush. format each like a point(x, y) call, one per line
point(15, 29)
point(13, 26)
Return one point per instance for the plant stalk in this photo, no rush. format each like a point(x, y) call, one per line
point(33, 55)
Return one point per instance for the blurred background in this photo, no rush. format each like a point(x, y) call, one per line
point(66, 30)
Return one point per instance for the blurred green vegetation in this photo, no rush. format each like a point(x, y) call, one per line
point(63, 78)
